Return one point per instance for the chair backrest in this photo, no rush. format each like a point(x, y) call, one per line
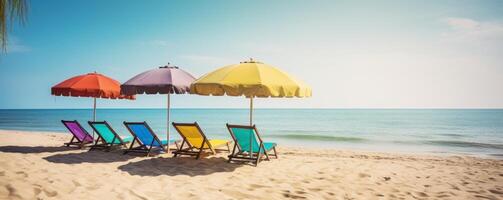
point(77, 130)
point(105, 131)
point(143, 133)
point(244, 136)
point(192, 133)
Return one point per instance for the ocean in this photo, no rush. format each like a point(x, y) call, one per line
point(476, 132)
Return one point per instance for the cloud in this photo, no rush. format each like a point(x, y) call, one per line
point(18, 48)
point(14, 45)
point(208, 60)
point(462, 23)
point(466, 29)
point(159, 43)
point(155, 43)
point(263, 48)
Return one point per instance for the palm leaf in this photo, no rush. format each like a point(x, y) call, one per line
point(11, 11)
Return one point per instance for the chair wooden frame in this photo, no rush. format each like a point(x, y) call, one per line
point(142, 148)
point(104, 145)
point(192, 150)
point(78, 143)
point(251, 156)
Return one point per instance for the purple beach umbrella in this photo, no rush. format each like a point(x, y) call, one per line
point(164, 80)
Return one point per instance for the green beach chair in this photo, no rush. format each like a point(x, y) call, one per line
point(248, 146)
point(146, 138)
point(107, 137)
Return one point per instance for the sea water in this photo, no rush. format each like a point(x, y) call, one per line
point(441, 131)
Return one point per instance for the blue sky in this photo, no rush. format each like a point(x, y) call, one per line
point(354, 54)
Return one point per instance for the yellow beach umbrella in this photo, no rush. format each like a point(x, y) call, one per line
point(250, 79)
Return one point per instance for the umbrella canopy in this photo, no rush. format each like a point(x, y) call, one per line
point(250, 79)
point(164, 80)
point(90, 85)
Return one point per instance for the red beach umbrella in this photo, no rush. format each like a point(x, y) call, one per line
point(90, 85)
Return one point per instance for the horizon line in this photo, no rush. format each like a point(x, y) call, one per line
point(303, 108)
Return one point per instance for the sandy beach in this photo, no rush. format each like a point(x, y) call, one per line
point(34, 165)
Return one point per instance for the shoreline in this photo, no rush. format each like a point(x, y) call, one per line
point(456, 132)
point(37, 166)
point(310, 147)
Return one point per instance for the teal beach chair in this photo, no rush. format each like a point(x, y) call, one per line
point(107, 137)
point(248, 146)
point(145, 137)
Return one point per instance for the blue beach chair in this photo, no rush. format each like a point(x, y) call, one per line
point(145, 137)
point(248, 146)
point(107, 137)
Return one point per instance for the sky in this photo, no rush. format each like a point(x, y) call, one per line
point(354, 54)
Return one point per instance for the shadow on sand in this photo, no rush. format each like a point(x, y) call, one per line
point(178, 166)
point(38, 149)
point(88, 157)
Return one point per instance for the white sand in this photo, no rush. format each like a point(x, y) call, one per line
point(34, 165)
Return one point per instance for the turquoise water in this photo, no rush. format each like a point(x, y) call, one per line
point(457, 131)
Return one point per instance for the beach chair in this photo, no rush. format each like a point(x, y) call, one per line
point(248, 146)
point(196, 140)
point(80, 134)
point(107, 137)
point(145, 137)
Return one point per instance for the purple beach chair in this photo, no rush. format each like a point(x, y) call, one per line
point(79, 133)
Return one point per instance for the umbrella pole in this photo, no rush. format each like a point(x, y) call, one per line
point(251, 123)
point(94, 113)
point(168, 113)
point(251, 111)
point(94, 110)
